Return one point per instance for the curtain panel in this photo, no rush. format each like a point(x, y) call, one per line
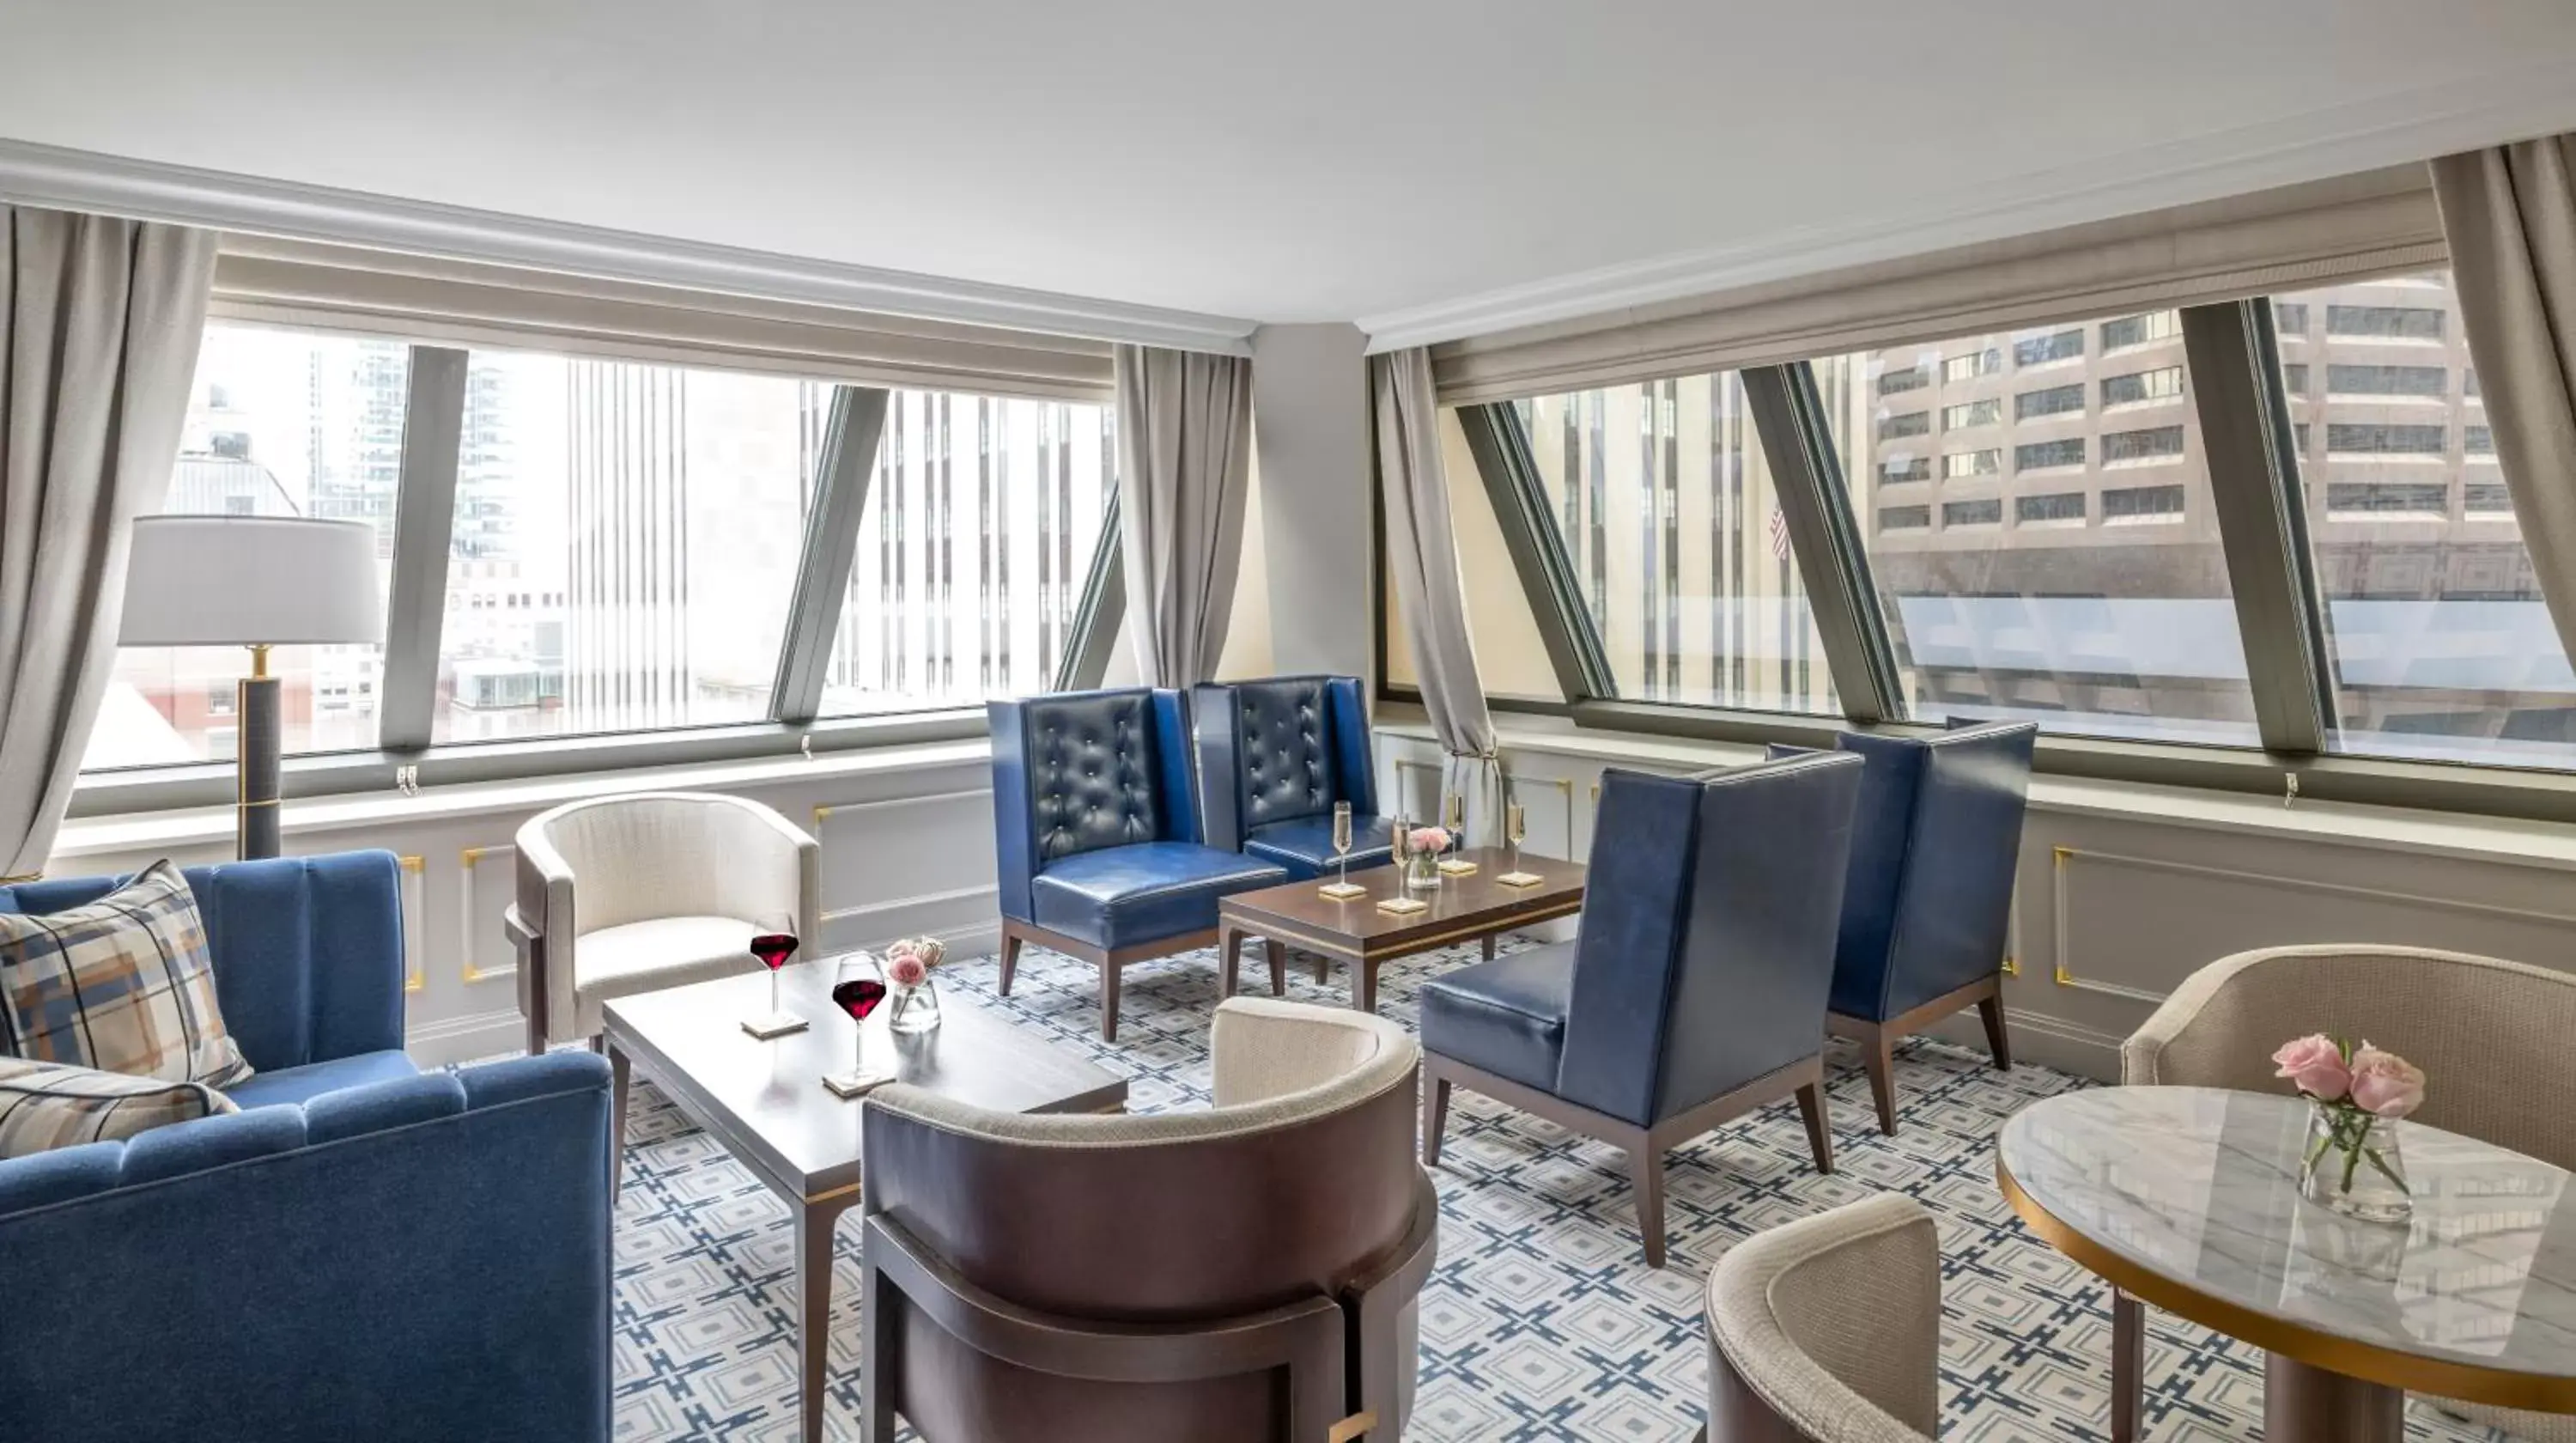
point(1422, 551)
point(1184, 477)
point(99, 325)
point(2511, 214)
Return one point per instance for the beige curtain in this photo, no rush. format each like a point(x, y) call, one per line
point(1422, 550)
point(99, 325)
point(1184, 478)
point(2510, 213)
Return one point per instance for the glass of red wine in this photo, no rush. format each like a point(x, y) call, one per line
point(773, 943)
point(857, 991)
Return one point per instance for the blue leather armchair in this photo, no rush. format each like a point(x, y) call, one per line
point(1694, 989)
point(1275, 755)
point(364, 1252)
point(1927, 912)
point(1096, 834)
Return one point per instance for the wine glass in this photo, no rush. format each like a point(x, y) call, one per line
point(857, 991)
point(773, 944)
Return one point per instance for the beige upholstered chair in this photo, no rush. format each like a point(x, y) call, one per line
point(1250, 1272)
point(1828, 1330)
point(2482, 1030)
point(628, 894)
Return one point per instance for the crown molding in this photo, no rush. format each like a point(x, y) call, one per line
point(45, 175)
point(2316, 145)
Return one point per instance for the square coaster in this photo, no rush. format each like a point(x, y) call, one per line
point(1342, 891)
point(1520, 879)
point(849, 1085)
point(1457, 867)
point(776, 1024)
point(1403, 906)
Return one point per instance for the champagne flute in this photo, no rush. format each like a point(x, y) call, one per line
point(1342, 887)
point(1515, 831)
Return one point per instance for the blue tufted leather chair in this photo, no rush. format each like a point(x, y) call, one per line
point(1274, 756)
point(1096, 832)
point(1694, 989)
point(1927, 911)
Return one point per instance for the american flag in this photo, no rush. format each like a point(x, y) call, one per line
point(1779, 535)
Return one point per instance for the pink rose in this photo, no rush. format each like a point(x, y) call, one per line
point(2315, 1065)
point(2385, 1083)
point(1429, 839)
point(903, 969)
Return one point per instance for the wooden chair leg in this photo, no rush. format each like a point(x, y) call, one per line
point(1646, 1168)
point(1276, 953)
point(1991, 1009)
point(1109, 1000)
point(1010, 958)
point(1435, 1117)
point(1820, 1138)
point(2128, 1368)
point(1878, 1054)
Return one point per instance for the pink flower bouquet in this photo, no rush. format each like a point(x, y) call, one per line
point(2356, 1092)
point(908, 961)
point(1433, 840)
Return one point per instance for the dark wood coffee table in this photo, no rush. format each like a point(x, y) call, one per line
point(765, 1101)
point(1294, 914)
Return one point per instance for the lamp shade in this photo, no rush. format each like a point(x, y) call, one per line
point(251, 581)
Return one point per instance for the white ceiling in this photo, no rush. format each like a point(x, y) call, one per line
point(1297, 160)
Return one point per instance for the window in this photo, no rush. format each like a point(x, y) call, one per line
point(279, 423)
point(2055, 346)
point(1904, 518)
point(2137, 388)
point(2056, 400)
point(1909, 378)
point(1895, 469)
point(2478, 440)
point(1912, 423)
point(2141, 503)
point(2403, 323)
point(2141, 330)
point(2352, 439)
point(2049, 455)
point(1972, 463)
point(981, 522)
point(1987, 412)
point(1665, 502)
point(2294, 379)
point(2370, 500)
point(2157, 443)
point(2440, 643)
point(2290, 318)
point(2344, 380)
point(1986, 361)
point(2122, 629)
point(662, 511)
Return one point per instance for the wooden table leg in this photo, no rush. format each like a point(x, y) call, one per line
point(1364, 984)
point(2303, 1403)
point(2128, 1368)
point(814, 1225)
point(1230, 945)
point(1276, 952)
point(1489, 946)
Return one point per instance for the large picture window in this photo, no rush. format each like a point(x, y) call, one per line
point(2440, 642)
point(279, 423)
point(2085, 587)
point(1668, 511)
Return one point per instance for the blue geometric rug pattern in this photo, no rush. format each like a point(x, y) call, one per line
point(1542, 1320)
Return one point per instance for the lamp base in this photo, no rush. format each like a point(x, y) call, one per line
point(257, 734)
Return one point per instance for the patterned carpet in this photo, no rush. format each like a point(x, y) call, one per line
point(1542, 1320)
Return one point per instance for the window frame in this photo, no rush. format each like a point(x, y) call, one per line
point(425, 520)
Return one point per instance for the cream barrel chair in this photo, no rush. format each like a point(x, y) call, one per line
point(1828, 1330)
point(2490, 1035)
point(627, 894)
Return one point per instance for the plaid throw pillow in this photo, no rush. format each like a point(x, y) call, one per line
point(44, 1105)
point(121, 985)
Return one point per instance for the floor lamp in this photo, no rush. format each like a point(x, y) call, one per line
point(255, 581)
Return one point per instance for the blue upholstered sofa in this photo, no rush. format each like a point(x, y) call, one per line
point(1096, 832)
point(364, 1252)
point(1275, 755)
point(1927, 911)
point(1694, 989)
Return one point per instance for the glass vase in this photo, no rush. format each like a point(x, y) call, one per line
point(2351, 1164)
point(1422, 872)
point(914, 1008)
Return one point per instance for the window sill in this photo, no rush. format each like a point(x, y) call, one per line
point(130, 833)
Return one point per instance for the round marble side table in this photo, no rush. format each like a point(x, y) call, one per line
point(2188, 1198)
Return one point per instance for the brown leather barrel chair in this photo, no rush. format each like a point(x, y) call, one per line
point(1246, 1273)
